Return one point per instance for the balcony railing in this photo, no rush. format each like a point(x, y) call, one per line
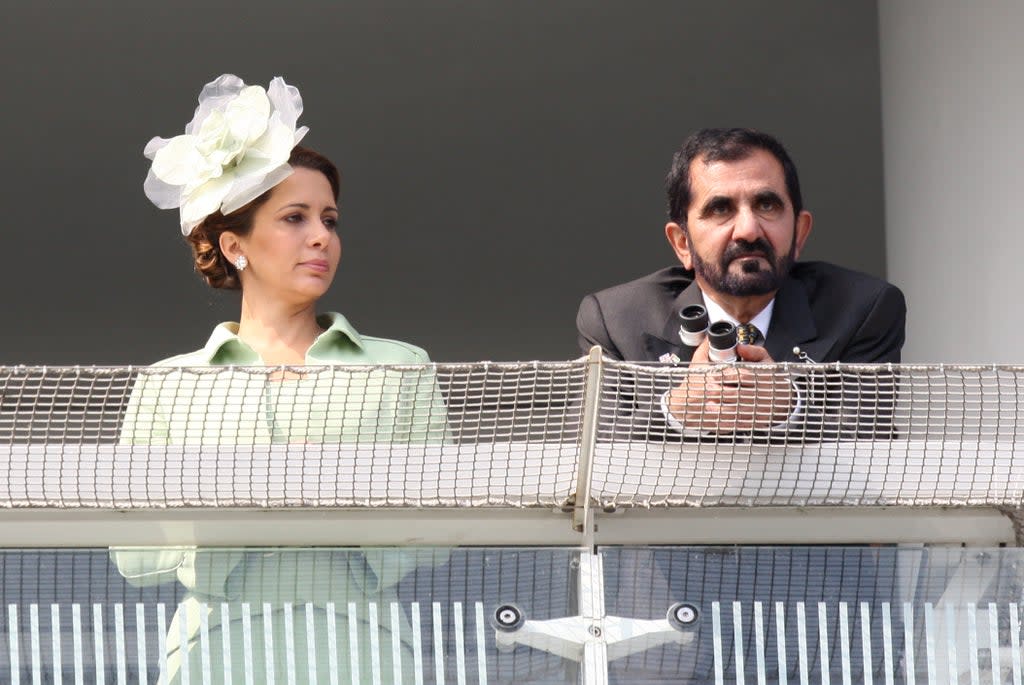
point(587, 438)
point(555, 482)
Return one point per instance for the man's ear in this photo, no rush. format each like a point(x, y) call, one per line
point(804, 223)
point(680, 243)
point(230, 246)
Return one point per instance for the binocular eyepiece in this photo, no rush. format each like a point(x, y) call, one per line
point(722, 342)
point(721, 335)
point(695, 324)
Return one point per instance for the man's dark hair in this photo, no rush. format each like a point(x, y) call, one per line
point(723, 145)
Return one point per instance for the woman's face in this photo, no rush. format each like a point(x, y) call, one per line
point(293, 248)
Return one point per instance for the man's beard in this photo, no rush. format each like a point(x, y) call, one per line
point(755, 278)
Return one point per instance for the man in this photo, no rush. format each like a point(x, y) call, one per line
point(737, 225)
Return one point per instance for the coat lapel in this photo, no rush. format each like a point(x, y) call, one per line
point(792, 323)
point(667, 340)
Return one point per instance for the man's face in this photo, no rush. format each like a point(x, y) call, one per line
point(741, 236)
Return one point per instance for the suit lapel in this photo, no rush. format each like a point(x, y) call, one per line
point(792, 322)
point(667, 340)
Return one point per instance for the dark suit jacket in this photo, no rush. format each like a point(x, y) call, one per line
point(833, 314)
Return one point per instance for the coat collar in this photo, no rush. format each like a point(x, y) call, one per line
point(225, 347)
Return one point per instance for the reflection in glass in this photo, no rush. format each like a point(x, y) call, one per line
point(303, 614)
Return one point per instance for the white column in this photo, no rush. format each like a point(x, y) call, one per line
point(953, 136)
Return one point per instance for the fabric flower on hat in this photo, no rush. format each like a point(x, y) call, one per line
point(235, 148)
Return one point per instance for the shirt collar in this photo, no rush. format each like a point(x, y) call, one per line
point(225, 347)
point(762, 321)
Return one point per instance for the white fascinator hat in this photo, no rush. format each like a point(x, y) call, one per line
point(235, 148)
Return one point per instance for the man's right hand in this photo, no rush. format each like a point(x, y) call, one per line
point(731, 399)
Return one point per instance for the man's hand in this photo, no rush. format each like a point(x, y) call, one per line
point(731, 399)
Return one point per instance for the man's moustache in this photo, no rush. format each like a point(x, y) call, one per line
point(735, 252)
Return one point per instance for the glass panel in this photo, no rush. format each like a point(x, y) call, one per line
point(880, 614)
point(304, 615)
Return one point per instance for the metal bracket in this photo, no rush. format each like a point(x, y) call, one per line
point(568, 637)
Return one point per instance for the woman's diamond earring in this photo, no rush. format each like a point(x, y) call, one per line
point(241, 263)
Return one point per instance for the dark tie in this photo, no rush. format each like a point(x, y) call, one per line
point(747, 334)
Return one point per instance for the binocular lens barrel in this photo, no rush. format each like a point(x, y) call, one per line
point(694, 324)
point(722, 342)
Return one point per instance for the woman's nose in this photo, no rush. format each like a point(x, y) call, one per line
point(320, 234)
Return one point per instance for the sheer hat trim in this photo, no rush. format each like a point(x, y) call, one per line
point(235, 148)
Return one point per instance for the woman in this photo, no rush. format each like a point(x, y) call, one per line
point(260, 214)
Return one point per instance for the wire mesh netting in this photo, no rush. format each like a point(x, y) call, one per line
point(510, 434)
point(834, 434)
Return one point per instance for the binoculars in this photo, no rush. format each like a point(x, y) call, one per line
point(721, 335)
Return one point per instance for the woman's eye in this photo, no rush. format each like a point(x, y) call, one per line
point(294, 218)
point(331, 222)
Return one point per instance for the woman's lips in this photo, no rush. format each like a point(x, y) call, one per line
point(318, 265)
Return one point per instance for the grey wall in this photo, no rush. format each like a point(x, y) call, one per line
point(500, 159)
point(953, 93)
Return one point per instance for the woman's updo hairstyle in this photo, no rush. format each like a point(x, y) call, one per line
point(204, 239)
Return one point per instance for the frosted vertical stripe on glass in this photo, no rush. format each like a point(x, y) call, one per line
point(97, 644)
point(438, 645)
point(140, 643)
point(183, 649)
point(951, 635)
point(12, 642)
point(353, 644)
point(844, 643)
point(289, 643)
point(33, 628)
point(332, 643)
point(780, 642)
point(206, 668)
point(762, 676)
point(823, 644)
point(55, 645)
point(1014, 641)
point(716, 636)
point(268, 642)
point(908, 642)
point(801, 644)
point(374, 629)
point(737, 638)
point(865, 643)
point(993, 639)
point(311, 642)
point(460, 644)
point(972, 644)
point(396, 642)
point(247, 648)
point(887, 647)
point(929, 643)
point(76, 639)
point(417, 643)
point(225, 641)
point(161, 636)
point(481, 642)
point(120, 658)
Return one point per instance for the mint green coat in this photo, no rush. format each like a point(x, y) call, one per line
point(252, 406)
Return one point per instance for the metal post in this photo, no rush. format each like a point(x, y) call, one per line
point(582, 514)
point(594, 664)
